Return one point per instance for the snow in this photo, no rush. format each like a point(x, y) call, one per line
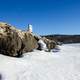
point(42, 44)
point(40, 65)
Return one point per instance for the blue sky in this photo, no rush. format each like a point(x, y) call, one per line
point(46, 16)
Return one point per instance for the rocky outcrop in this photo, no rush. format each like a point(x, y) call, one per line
point(14, 42)
point(29, 42)
point(10, 42)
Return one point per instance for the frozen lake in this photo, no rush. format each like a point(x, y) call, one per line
point(40, 65)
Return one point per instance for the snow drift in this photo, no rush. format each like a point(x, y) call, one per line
point(40, 65)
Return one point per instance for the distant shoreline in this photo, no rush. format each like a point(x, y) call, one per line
point(64, 38)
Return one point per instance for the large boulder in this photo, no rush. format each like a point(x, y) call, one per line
point(10, 42)
point(14, 42)
point(51, 44)
point(29, 41)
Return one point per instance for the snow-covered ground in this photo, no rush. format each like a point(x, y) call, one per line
point(40, 65)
